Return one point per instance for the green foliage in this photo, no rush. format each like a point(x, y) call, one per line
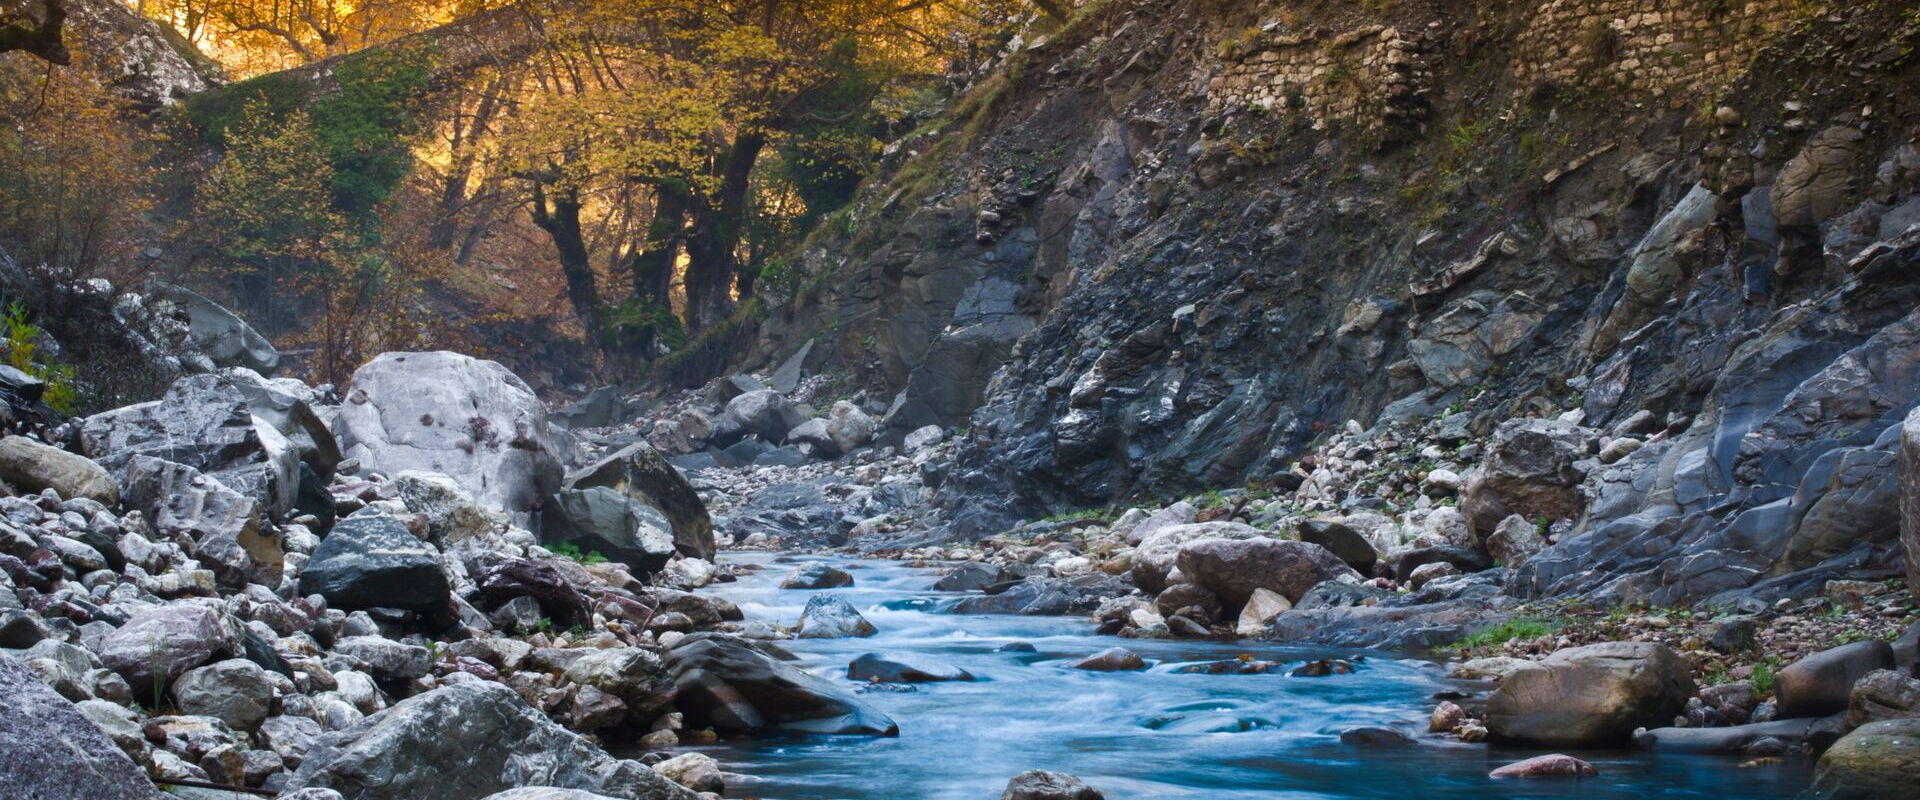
point(23, 344)
point(572, 550)
point(1518, 628)
point(1763, 678)
point(637, 320)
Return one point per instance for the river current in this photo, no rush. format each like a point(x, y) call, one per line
point(1151, 734)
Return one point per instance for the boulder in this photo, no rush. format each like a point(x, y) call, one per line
point(30, 466)
point(51, 750)
point(387, 660)
point(849, 428)
point(724, 683)
point(827, 616)
point(500, 580)
point(816, 575)
point(1877, 761)
point(161, 643)
point(1755, 737)
point(1594, 695)
point(1820, 684)
point(206, 423)
point(642, 473)
point(286, 405)
point(1528, 470)
point(903, 668)
point(1233, 568)
point(471, 420)
point(1514, 541)
point(1813, 186)
point(763, 412)
point(636, 675)
point(601, 519)
point(1554, 765)
point(411, 752)
point(228, 534)
point(1040, 784)
point(452, 514)
point(222, 335)
point(971, 576)
point(696, 771)
point(372, 561)
point(1263, 605)
point(1158, 551)
point(1883, 694)
point(1112, 659)
point(235, 691)
point(1343, 541)
point(1910, 498)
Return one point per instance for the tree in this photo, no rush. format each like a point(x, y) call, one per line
point(39, 38)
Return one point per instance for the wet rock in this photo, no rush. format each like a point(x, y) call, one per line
point(724, 683)
point(1876, 761)
point(1805, 733)
point(972, 576)
point(1233, 568)
point(1322, 668)
point(1042, 596)
point(469, 419)
point(1883, 694)
point(1446, 716)
point(235, 691)
point(1820, 684)
point(1112, 659)
point(1592, 695)
point(160, 644)
point(1040, 784)
point(827, 616)
point(409, 752)
point(604, 521)
point(1263, 605)
point(31, 466)
point(816, 575)
point(1547, 766)
point(696, 771)
point(1374, 736)
point(642, 473)
point(903, 668)
point(373, 562)
point(51, 750)
point(1528, 470)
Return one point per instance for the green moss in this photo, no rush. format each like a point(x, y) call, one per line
point(1518, 628)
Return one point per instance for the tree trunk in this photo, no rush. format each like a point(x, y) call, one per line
point(42, 39)
point(717, 225)
point(652, 265)
point(562, 224)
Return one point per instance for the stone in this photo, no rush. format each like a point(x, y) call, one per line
point(1876, 761)
point(410, 752)
point(1883, 694)
point(827, 616)
point(1428, 572)
point(1233, 568)
point(817, 575)
point(1446, 717)
point(643, 474)
point(1263, 605)
point(1753, 738)
point(386, 659)
point(696, 771)
point(230, 537)
point(1039, 784)
point(903, 668)
point(119, 723)
point(1187, 598)
point(971, 576)
point(158, 645)
point(1910, 498)
point(1736, 634)
point(724, 683)
point(637, 676)
point(600, 519)
point(469, 419)
point(203, 422)
point(235, 691)
point(1594, 695)
point(1375, 736)
point(373, 562)
point(763, 412)
point(1112, 659)
point(1812, 186)
point(501, 581)
point(1554, 765)
point(30, 466)
point(1821, 684)
point(1528, 470)
point(922, 438)
point(286, 405)
point(221, 334)
point(1342, 540)
point(52, 750)
point(1513, 541)
point(452, 514)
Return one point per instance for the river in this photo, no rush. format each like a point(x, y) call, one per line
point(1150, 734)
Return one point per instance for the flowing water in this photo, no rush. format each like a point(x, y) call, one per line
point(1148, 734)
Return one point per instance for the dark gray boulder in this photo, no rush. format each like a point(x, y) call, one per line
point(372, 561)
point(644, 474)
point(816, 575)
point(725, 683)
point(204, 422)
point(51, 751)
point(603, 520)
point(1341, 540)
point(464, 741)
point(1529, 470)
point(763, 412)
point(828, 616)
point(903, 668)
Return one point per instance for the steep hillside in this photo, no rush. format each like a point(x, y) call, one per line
point(1168, 247)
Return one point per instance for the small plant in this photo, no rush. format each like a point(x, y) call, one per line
point(23, 345)
point(572, 551)
point(1520, 628)
point(1763, 678)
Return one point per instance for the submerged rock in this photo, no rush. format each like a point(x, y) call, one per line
point(903, 668)
point(1554, 765)
point(1112, 659)
point(827, 616)
point(816, 575)
point(1039, 784)
point(725, 683)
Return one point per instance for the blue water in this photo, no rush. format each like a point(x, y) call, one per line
point(1148, 734)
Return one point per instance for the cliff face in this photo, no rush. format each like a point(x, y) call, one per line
point(1165, 248)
